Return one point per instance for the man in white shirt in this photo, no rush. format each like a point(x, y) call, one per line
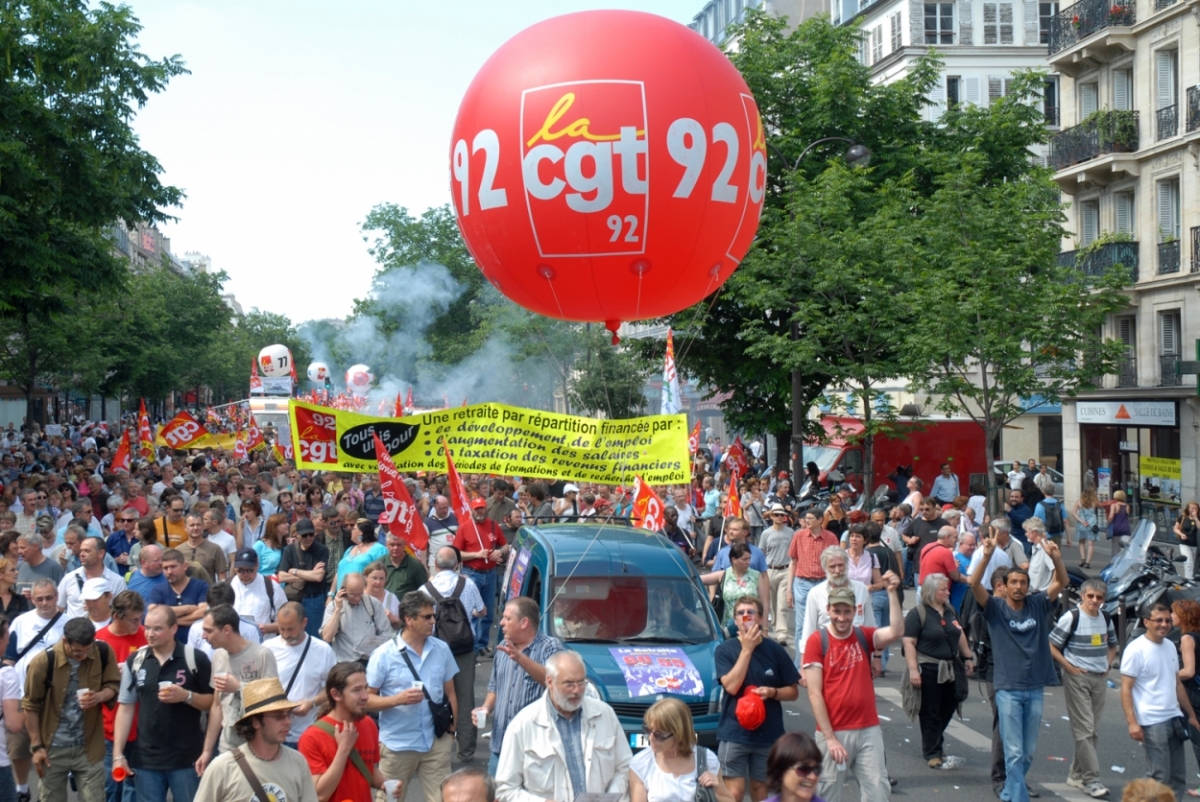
point(1008, 552)
point(70, 589)
point(218, 595)
point(444, 582)
point(1041, 567)
point(44, 618)
point(1155, 701)
point(250, 593)
point(303, 663)
point(1016, 477)
point(834, 561)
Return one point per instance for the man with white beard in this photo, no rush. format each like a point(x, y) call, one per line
point(834, 561)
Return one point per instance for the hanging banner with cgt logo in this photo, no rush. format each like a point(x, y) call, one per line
point(495, 439)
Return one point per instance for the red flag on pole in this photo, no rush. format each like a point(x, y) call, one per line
point(459, 500)
point(121, 459)
point(398, 412)
point(145, 433)
point(254, 440)
point(647, 508)
point(408, 402)
point(239, 446)
point(736, 456)
point(183, 430)
point(400, 513)
point(464, 403)
point(694, 439)
point(733, 507)
point(255, 382)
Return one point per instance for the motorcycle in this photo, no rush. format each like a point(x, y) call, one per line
point(1138, 577)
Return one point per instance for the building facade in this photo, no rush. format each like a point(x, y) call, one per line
point(1126, 161)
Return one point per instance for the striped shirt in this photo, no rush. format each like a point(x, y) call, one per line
point(1088, 649)
point(514, 688)
point(806, 551)
point(570, 731)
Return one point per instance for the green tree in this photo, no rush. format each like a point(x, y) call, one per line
point(999, 321)
point(70, 163)
point(608, 381)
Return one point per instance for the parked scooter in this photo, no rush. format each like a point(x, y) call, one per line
point(1140, 575)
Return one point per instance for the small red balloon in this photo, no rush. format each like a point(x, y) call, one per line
point(608, 166)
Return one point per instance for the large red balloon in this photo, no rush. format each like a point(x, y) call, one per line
point(608, 166)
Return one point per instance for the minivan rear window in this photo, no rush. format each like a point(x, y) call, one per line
point(620, 608)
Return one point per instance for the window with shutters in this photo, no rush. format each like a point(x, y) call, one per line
point(998, 23)
point(1169, 347)
point(1089, 222)
point(953, 91)
point(998, 87)
point(1046, 13)
point(1166, 75)
point(877, 44)
point(1123, 209)
point(1122, 83)
point(1168, 210)
point(1127, 365)
point(939, 23)
point(897, 35)
point(1089, 99)
point(971, 90)
point(1050, 101)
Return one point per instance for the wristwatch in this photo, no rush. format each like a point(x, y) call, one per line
point(189, 698)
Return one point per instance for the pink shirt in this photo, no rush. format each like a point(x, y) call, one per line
point(862, 569)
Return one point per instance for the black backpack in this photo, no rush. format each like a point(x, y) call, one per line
point(453, 624)
point(1054, 519)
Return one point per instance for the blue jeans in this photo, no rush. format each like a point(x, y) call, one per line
point(486, 582)
point(152, 785)
point(883, 617)
point(800, 589)
point(8, 786)
point(314, 608)
point(118, 791)
point(1020, 719)
point(493, 764)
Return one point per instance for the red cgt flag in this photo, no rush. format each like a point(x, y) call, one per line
point(239, 446)
point(254, 440)
point(647, 508)
point(145, 433)
point(733, 506)
point(459, 501)
point(183, 430)
point(400, 513)
point(121, 460)
point(736, 457)
point(694, 439)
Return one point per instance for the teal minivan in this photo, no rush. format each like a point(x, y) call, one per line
point(632, 605)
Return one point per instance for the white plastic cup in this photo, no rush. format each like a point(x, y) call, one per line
point(162, 686)
point(481, 715)
point(389, 789)
point(418, 685)
point(82, 694)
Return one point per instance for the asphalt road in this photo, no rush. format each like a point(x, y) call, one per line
point(1121, 759)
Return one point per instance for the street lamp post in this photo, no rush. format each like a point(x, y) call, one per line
point(857, 155)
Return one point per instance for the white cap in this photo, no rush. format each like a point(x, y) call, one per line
point(94, 588)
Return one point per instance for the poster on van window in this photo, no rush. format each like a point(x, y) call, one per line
point(518, 573)
point(650, 670)
point(1161, 480)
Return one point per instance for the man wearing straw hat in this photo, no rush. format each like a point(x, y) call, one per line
point(263, 767)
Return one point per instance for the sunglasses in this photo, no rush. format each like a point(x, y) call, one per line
point(806, 769)
point(656, 735)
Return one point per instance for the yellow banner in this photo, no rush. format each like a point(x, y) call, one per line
point(1160, 467)
point(496, 439)
point(224, 441)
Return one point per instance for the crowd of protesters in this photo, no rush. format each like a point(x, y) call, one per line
point(223, 629)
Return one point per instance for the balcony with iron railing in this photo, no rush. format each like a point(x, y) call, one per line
point(1159, 5)
point(1077, 22)
point(1195, 231)
point(1104, 131)
point(1168, 121)
point(1127, 372)
point(1168, 257)
point(1193, 108)
point(1168, 377)
point(1095, 260)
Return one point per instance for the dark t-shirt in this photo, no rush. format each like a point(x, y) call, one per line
point(926, 530)
point(169, 735)
point(939, 637)
point(1021, 643)
point(194, 592)
point(771, 667)
point(295, 557)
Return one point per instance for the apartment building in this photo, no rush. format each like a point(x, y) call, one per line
point(1126, 161)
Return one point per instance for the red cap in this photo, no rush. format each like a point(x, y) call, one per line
point(751, 712)
point(477, 503)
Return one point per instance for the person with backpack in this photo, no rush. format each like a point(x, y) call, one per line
point(354, 621)
point(55, 713)
point(1084, 643)
point(1050, 511)
point(837, 671)
point(457, 604)
point(167, 721)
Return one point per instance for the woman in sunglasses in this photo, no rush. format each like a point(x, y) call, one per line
point(674, 763)
point(794, 769)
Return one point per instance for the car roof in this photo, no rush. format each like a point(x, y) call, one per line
point(609, 550)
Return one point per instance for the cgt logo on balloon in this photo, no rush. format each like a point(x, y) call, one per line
point(608, 166)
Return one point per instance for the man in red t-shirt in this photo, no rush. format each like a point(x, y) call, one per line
point(837, 668)
point(482, 548)
point(938, 557)
point(125, 635)
point(342, 747)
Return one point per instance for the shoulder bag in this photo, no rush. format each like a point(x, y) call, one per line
point(355, 757)
point(249, 774)
point(703, 793)
point(443, 714)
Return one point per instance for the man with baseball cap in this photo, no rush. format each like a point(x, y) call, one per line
point(257, 597)
point(262, 768)
point(483, 549)
point(837, 671)
point(302, 567)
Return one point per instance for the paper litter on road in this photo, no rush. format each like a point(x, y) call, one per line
point(952, 762)
point(1056, 758)
point(1118, 769)
point(907, 741)
point(884, 718)
point(1066, 718)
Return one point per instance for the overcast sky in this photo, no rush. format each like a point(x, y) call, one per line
point(298, 117)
